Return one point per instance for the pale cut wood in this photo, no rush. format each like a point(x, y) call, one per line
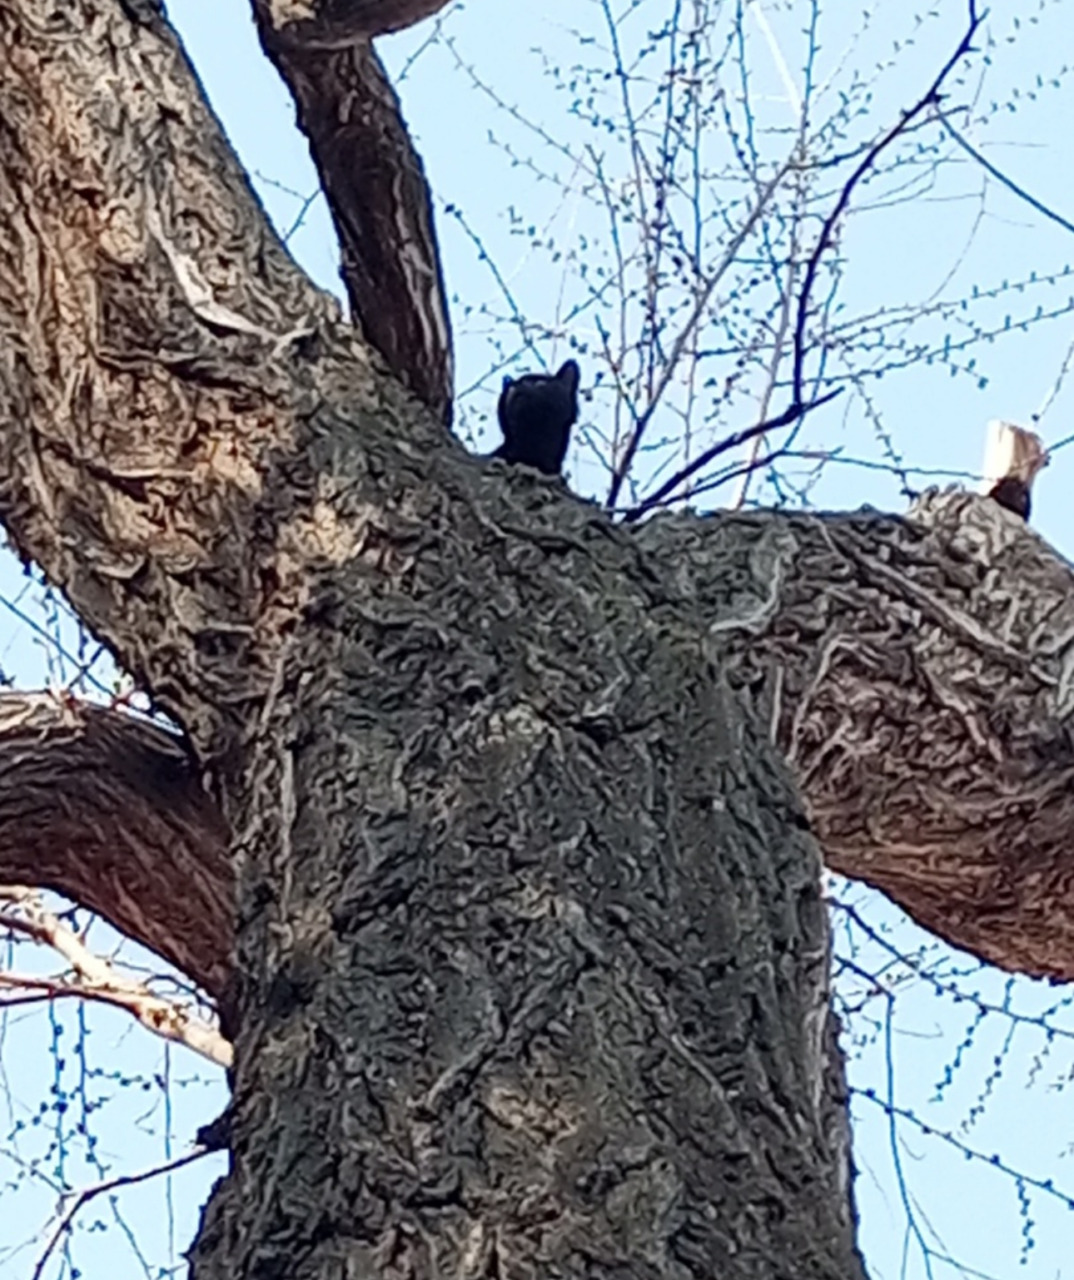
point(1013, 457)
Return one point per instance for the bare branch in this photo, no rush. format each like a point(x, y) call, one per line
point(929, 98)
point(87, 1194)
point(1001, 177)
point(701, 301)
point(793, 414)
point(98, 979)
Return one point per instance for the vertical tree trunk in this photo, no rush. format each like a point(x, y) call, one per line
point(534, 958)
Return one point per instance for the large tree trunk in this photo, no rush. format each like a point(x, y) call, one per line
point(533, 955)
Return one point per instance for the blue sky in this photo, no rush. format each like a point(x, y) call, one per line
point(492, 103)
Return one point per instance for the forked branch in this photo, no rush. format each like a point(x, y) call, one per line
point(91, 976)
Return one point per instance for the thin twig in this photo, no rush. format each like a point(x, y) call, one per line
point(89, 1193)
point(692, 321)
point(1001, 177)
point(929, 98)
point(791, 414)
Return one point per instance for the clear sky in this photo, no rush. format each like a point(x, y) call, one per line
point(497, 98)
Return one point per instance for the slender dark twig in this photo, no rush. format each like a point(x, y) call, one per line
point(784, 419)
point(1061, 444)
point(1000, 176)
point(930, 98)
point(88, 1193)
point(893, 1138)
point(686, 332)
point(799, 405)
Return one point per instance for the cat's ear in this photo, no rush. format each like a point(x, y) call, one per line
point(569, 374)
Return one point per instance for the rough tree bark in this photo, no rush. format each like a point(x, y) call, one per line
point(529, 963)
point(914, 673)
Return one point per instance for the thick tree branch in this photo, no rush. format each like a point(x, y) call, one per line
point(336, 23)
point(373, 180)
point(107, 810)
point(917, 674)
point(936, 750)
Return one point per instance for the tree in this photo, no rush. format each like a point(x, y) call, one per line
point(480, 827)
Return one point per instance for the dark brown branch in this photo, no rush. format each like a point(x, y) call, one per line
point(107, 810)
point(792, 414)
point(374, 183)
point(936, 751)
point(336, 23)
point(929, 98)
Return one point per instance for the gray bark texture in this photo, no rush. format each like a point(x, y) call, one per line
point(481, 829)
